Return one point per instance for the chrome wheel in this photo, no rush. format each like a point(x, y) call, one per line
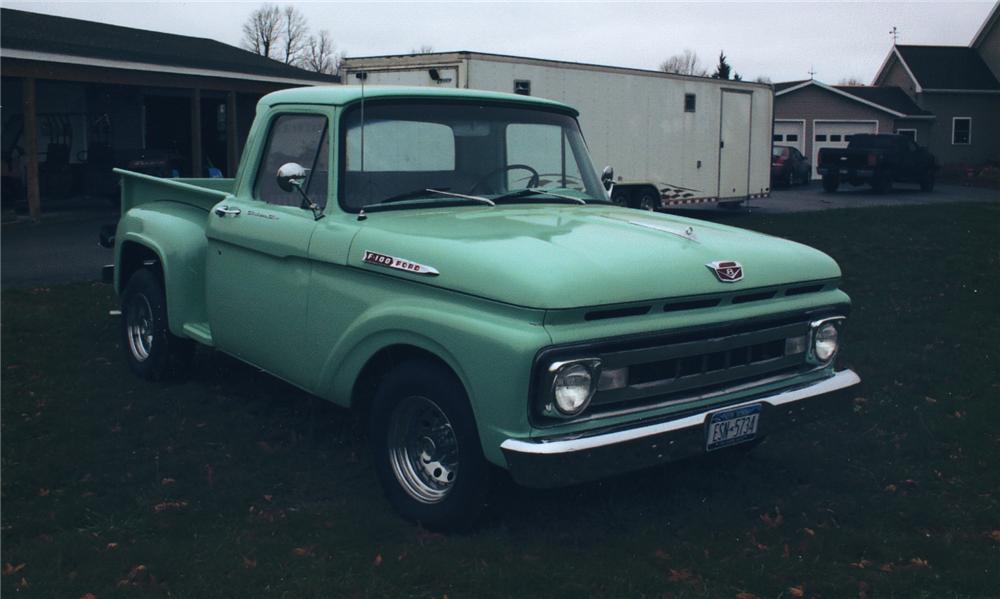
point(139, 327)
point(423, 449)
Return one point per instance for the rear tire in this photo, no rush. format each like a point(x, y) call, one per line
point(927, 182)
point(649, 201)
point(151, 350)
point(621, 197)
point(426, 446)
point(830, 183)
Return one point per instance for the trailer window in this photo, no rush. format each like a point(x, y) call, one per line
point(689, 102)
point(522, 87)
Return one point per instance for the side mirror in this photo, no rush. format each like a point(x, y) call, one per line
point(291, 176)
point(608, 177)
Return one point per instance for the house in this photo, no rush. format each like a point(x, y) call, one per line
point(81, 97)
point(946, 97)
point(810, 115)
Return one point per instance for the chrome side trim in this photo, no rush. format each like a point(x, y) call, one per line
point(840, 380)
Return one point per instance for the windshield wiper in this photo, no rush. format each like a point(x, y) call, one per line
point(520, 193)
point(401, 202)
point(422, 192)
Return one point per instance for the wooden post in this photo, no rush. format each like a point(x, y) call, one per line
point(232, 135)
point(196, 170)
point(31, 147)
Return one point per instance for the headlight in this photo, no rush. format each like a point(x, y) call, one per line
point(825, 341)
point(573, 385)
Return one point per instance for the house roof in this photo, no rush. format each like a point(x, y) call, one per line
point(947, 67)
point(37, 36)
point(988, 24)
point(888, 99)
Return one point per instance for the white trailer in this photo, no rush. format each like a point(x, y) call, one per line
point(672, 139)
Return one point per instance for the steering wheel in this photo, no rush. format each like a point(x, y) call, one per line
point(532, 182)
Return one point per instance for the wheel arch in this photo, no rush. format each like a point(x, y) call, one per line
point(382, 361)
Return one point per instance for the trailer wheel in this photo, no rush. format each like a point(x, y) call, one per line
point(830, 183)
point(621, 197)
point(426, 446)
point(151, 350)
point(648, 200)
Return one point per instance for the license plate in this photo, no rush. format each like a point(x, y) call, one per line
point(732, 426)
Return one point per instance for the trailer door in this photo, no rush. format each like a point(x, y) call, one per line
point(734, 144)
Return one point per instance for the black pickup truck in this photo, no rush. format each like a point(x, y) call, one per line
point(879, 160)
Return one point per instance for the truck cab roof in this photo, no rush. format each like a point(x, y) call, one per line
point(340, 95)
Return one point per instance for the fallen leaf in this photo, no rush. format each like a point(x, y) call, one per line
point(745, 595)
point(43, 492)
point(169, 505)
point(111, 546)
point(9, 569)
point(304, 551)
point(23, 583)
point(809, 531)
point(798, 591)
point(268, 498)
point(167, 482)
point(249, 564)
point(861, 564)
point(378, 560)
point(679, 575)
point(995, 535)
point(890, 489)
point(918, 562)
point(887, 568)
point(929, 399)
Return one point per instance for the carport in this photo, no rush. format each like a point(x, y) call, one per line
point(82, 97)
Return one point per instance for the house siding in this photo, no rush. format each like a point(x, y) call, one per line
point(815, 104)
point(896, 75)
point(989, 48)
point(984, 109)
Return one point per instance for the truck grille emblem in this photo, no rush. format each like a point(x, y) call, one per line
point(727, 271)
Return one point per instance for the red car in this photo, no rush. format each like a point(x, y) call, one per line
point(788, 167)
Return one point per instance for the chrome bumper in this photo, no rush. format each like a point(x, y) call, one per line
point(559, 461)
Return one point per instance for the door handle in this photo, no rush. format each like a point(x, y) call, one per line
point(224, 211)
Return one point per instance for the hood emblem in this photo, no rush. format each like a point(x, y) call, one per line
point(399, 264)
point(727, 271)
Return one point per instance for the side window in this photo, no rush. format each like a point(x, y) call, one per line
point(961, 131)
point(544, 149)
point(689, 102)
point(792, 137)
point(522, 87)
point(820, 137)
point(298, 138)
point(777, 137)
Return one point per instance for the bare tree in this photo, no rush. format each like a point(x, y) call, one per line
point(320, 54)
point(853, 81)
point(763, 79)
point(262, 30)
point(294, 35)
point(424, 49)
point(686, 63)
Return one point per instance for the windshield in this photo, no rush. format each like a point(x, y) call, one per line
point(414, 151)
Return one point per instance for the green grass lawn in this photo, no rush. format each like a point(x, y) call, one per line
point(235, 484)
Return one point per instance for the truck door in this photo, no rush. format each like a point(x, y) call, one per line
point(734, 144)
point(257, 269)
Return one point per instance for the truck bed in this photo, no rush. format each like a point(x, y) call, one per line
point(139, 188)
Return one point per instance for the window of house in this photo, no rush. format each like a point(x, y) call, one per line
point(820, 137)
point(298, 138)
point(522, 87)
point(792, 137)
point(848, 137)
point(689, 102)
point(961, 130)
point(911, 133)
point(835, 138)
point(778, 137)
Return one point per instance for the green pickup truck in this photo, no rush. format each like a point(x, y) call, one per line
point(448, 262)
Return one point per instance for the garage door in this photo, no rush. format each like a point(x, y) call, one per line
point(790, 133)
point(828, 134)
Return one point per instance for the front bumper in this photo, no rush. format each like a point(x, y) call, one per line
point(560, 461)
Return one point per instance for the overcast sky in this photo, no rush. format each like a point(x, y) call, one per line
point(780, 40)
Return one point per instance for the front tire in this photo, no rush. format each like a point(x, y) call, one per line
point(927, 182)
point(426, 447)
point(152, 352)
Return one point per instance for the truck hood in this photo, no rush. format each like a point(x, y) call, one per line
point(567, 256)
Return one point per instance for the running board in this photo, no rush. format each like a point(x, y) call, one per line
point(200, 332)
